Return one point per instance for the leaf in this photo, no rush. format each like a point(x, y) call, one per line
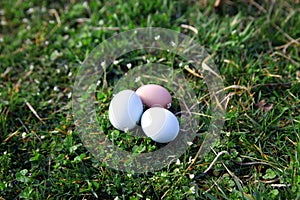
point(79, 158)
point(35, 157)
point(273, 193)
point(21, 176)
point(270, 174)
point(26, 193)
point(24, 172)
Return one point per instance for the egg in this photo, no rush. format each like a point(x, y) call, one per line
point(160, 124)
point(154, 96)
point(125, 110)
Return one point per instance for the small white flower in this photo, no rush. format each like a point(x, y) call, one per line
point(5, 152)
point(137, 79)
point(30, 10)
point(116, 62)
point(3, 22)
point(42, 137)
point(191, 176)
point(157, 37)
point(25, 20)
point(28, 42)
point(169, 105)
point(69, 95)
point(98, 82)
point(66, 37)
point(192, 190)
point(31, 67)
point(103, 64)
point(1, 39)
point(70, 74)
point(180, 64)
point(85, 4)
point(173, 44)
point(46, 42)
point(129, 65)
point(58, 70)
point(23, 135)
point(101, 22)
point(190, 160)
point(66, 67)
point(163, 174)
point(55, 88)
point(177, 162)
point(189, 143)
point(129, 175)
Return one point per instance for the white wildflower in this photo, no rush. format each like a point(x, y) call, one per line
point(157, 37)
point(189, 143)
point(137, 79)
point(191, 176)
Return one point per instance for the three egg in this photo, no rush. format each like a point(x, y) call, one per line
point(158, 123)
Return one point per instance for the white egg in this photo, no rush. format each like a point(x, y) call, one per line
point(125, 110)
point(160, 124)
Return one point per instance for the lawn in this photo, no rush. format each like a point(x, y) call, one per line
point(255, 46)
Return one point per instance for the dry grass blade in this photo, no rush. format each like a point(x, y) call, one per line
point(206, 67)
point(215, 160)
point(10, 136)
point(190, 28)
point(34, 112)
point(55, 13)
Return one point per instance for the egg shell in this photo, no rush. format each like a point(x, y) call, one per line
point(154, 96)
point(160, 124)
point(125, 110)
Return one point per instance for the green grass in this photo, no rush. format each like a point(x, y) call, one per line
point(255, 46)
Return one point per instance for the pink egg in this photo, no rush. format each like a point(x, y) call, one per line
point(154, 96)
